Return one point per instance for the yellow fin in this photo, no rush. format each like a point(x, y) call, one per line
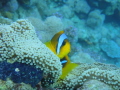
point(68, 68)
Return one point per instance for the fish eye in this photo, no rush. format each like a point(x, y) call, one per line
point(63, 43)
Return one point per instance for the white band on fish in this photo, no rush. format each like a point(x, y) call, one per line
point(60, 41)
point(63, 61)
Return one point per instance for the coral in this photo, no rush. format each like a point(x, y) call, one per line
point(67, 23)
point(105, 73)
point(9, 85)
point(43, 8)
point(31, 12)
point(95, 19)
point(39, 27)
point(5, 20)
point(107, 6)
point(2, 85)
point(60, 1)
point(88, 36)
point(111, 7)
point(111, 49)
point(58, 14)
point(7, 14)
point(46, 29)
point(115, 1)
point(53, 25)
point(67, 11)
point(70, 3)
point(28, 4)
point(95, 85)
point(81, 57)
point(118, 63)
point(71, 32)
point(81, 6)
point(11, 6)
point(37, 23)
point(20, 72)
point(19, 42)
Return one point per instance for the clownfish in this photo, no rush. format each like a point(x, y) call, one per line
point(60, 45)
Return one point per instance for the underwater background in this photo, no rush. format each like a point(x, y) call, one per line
point(92, 28)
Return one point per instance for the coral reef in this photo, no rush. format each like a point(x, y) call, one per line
point(95, 85)
point(95, 19)
point(107, 6)
point(19, 42)
point(111, 49)
point(105, 73)
point(47, 28)
point(92, 27)
point(66, 11)
point(9, 85)
point(11, 6)
point(81, 6)
point(88, 36)
point(20, 72)
point(81, 57)
point(53, 25)
point(71, 32)
point(27, 3)
point(5, 20)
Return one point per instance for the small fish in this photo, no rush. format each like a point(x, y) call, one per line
point(60, 45)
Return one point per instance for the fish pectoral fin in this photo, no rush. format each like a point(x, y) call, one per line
point(68, 68)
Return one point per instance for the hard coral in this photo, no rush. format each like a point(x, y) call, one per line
point(53, 25)
point(81, 6)
point(111, 49)
point(19, 42)
point(95, 19)
point(81, 57)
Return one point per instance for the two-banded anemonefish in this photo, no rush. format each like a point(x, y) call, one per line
point(60, 45)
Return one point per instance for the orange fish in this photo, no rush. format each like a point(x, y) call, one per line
point(60, 45)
